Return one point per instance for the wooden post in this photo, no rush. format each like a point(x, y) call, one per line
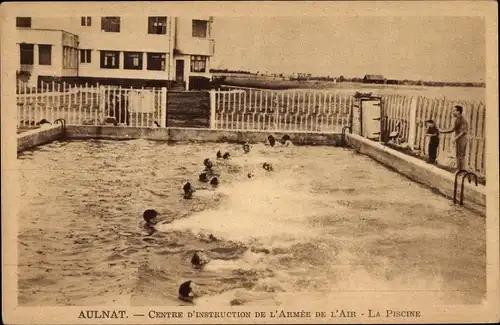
point(163, 105)
point(413, 123)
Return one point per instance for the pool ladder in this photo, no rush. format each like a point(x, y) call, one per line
point(342, 141)
point(63, 123)
point(465, 174)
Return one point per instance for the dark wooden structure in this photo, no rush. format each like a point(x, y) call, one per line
point(190, 109)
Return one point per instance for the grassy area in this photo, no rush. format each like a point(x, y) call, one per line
point(455, 93)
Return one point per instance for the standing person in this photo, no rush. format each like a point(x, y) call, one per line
point(460, 139)
point(433, 134)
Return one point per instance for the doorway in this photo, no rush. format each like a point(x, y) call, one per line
point(179, 70)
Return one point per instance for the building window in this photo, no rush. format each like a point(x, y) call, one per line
point(198, 63)
point(200, 28)
point(86, 21)
point(23, 22)
point(110, 60)
point(157, 25)
point(110, 24)
point(26, 53)
point(44, 54)
point(156, 61)
point(132, 60)
point(85, 56)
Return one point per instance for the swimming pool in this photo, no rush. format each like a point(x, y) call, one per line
point(326, 221)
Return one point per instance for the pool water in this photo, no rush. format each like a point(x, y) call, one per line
point(326, 221)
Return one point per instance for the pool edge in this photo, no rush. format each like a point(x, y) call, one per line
point(33, 138)
point(420, 172)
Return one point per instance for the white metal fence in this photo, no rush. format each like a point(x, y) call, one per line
point(254, 109)
point(91, 105)
point(327, 111)
point(278, 110)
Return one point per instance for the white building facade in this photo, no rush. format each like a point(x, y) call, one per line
point(131, 50)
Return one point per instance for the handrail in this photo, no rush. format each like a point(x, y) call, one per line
point(465, 174)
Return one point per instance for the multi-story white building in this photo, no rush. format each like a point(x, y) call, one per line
point(130, 50)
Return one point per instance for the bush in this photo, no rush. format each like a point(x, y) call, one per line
point(199, 83)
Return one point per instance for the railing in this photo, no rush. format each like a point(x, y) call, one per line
point(256, 109)
point(296, 110)
point(91, 105)
point(236, 108)
point(441, 111)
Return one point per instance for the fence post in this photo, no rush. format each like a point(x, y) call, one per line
point(412, 128)
point(101, 98)
point(212, 109)
point(163, 105)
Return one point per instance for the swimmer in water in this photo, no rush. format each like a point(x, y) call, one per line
point(199, 260)
point(150, 216)
point(267, 167)
point(226, 156)
point(203, 177)
point(188, 191)
point(285, 141)
point(246, 148)
point(219, 155)
point(186, 291)
point(214, 182)
point(250, 175)
point(208, 164)
point(271, 140)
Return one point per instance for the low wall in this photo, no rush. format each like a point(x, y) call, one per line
point(420, 172)
point(115, 133)
point(36, 137)
point(196, 135)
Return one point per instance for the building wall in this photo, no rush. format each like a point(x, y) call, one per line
point(187, 44)
point(45, 37)
point(93, 69)
point(133, 36)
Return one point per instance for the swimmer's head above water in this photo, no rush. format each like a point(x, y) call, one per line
point(150, 215)
point(246, 148)
point(203, 177)
point(214, 182)
point(219, 155)
point(285, 138)
point(185, 290)
point(227, 155)
point(267, 167)
point(271, 140)
point(207, 163)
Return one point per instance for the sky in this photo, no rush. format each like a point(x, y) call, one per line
point(416, 48)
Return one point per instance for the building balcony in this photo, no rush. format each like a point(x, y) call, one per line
point(54, 37)
point(195, 46)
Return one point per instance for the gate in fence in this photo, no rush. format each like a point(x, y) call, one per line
point(188, 109)
point(367, 117)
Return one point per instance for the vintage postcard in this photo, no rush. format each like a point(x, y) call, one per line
point(249, 162)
